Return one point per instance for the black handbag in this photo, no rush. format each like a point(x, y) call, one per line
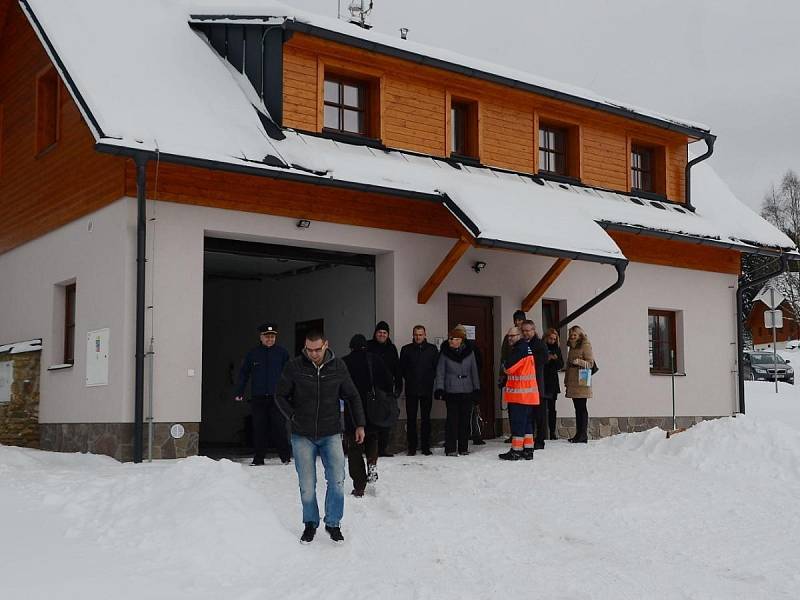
point(595, 368)
point(381, 406)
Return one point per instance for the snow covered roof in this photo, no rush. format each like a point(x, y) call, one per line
point(146, 81)
point(20, 347)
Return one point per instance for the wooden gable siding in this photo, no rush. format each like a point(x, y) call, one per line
point(250, 193)
point(671, 253)
point(39, 193)
point(414, 115)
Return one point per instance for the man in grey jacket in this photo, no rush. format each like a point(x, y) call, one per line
point(457, 381)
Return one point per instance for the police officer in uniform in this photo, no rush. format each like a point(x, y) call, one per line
point(263, 366)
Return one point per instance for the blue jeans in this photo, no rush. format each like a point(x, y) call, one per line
point(305, 452)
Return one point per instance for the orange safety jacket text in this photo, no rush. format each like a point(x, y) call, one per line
point(521, 387)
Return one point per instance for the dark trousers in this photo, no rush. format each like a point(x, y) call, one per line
point(520, 416)
point(581, 418)
point(539, 417)
point(355, 458)
point(383, 441)
point(424, 403)
point(269, 423)
point(456, 435)
point(551, 416)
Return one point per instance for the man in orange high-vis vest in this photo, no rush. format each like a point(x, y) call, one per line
point(521, 394)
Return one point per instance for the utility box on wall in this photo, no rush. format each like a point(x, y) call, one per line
point(97, 349)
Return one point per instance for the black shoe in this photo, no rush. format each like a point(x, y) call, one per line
point(463, 452)
point(451, 453)
point(507, 440)
point(358, 493)
point(286, 461)
point(538, 446)
point(527, 453)
point(386, 454)
point(335, 533)
point(308, 533)
point(553, 436)
point(511, 455)
point(579, 440)
point(411, 453)
point(257, 462)
point(427, 452)
point(478, 442)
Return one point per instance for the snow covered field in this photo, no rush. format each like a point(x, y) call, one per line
point(711, 513)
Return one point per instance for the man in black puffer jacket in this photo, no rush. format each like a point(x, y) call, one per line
point(308, 394)
point(382, 345)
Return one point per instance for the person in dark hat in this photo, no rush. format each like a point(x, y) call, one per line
point(505, 351)
point(368, 372)
point(263, 366)
point(382, 345)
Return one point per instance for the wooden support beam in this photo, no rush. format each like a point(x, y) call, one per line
point(544, 283)
point(447, 264)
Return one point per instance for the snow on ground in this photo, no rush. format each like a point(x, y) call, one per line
point(710, 513)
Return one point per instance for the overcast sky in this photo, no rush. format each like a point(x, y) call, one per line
point(730, 64)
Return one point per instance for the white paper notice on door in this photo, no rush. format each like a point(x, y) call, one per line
point(97, 343)
point(6, 379)
point(470, 331)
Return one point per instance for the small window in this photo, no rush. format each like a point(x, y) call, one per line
point(47, 110)
point(464, 128)
point(346, 105)
point(642, 169)
point(552, 150)
point(662, 341)
point(69, 324)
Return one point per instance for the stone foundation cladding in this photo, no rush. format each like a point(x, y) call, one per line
point(19, 419)
point(116, 439)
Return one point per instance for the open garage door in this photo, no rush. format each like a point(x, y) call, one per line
point(248, 283)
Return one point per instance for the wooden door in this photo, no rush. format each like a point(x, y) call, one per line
point(478, 312)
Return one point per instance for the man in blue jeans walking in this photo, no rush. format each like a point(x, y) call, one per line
point(308, 394)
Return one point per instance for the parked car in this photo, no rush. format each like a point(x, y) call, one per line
point(792, 344)
point(761, 366)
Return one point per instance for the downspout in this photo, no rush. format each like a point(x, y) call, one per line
point(709, 140)
point(138, 413)
point(783, 266)
point(620, 267)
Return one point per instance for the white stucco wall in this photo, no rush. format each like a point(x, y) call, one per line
point(101, 263)
point(617, 327)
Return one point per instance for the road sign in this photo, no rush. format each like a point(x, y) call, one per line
point(771, 297)
point(773, 318)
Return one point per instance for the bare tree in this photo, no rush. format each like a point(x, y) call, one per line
point(781, 206)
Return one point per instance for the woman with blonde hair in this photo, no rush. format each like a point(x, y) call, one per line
point(580, 359)
point(554, 364)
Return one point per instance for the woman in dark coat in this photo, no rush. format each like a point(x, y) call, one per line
point(457, 382)
point(555, 362)
point(358, 364)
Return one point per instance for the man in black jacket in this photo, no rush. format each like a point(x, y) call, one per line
point(263, 366)
point(308, 394)
point(382, 345)
point(418, 368)
point(539, 350)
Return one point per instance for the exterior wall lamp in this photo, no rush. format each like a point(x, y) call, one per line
point(478, 266)
point(303, 224)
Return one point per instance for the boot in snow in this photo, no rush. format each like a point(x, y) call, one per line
point(527, 453)
point(511, 455)
point(335, 533)
point(308, 533)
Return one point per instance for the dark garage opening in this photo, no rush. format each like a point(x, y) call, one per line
point(248, 283)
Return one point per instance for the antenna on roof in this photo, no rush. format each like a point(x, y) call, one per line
point(359, 10)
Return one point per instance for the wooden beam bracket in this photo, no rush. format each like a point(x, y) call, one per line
point(544, 284)
point(437, 277)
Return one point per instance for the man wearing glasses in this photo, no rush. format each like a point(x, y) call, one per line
point(308, 394)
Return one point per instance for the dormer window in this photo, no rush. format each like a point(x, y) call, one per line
point(552, 150)
point(346, 105)
point(642, 161)
point(463, 128)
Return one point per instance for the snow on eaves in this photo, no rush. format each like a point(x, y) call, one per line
point(152, 83)
point(20, 347)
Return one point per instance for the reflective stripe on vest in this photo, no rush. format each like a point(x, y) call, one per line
point(518, 389)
